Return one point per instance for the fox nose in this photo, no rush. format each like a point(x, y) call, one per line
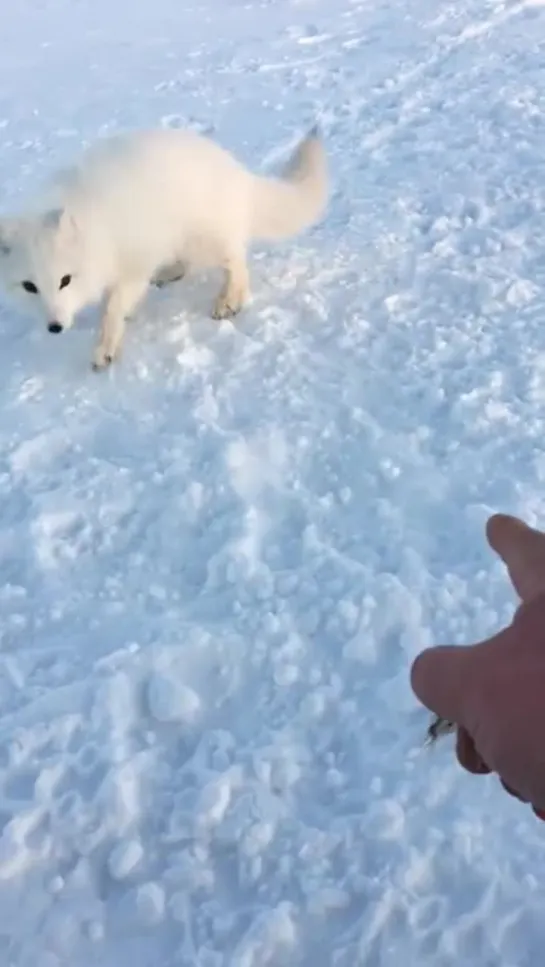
point(54, 327)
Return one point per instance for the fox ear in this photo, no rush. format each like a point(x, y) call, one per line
point(61, 221)
point(8, 229)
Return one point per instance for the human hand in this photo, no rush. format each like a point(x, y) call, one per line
point(495, 690)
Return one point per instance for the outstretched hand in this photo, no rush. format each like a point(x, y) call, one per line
point(495, 690)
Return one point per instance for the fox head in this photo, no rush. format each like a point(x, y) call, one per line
point(42, 262)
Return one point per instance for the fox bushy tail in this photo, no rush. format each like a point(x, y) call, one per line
point(288, 204)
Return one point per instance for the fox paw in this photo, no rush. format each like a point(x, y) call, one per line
point(102, 358)
point(161, 282)
point(223, 312)
point(226, 308)
point(169, 275)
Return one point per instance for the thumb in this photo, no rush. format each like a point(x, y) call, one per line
point(522, 549)
point(439, 679)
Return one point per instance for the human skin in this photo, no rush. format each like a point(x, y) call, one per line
point(494, 690)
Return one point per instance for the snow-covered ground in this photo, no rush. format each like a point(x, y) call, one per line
point(219, 558)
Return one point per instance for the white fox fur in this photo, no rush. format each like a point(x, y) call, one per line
point(145, 207)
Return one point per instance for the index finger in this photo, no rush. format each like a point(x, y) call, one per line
point(439, 679)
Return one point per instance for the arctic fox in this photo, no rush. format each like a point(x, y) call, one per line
point(144, 208)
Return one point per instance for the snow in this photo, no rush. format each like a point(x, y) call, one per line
point(219, 558)
point(124, 858)
point(171, 701)
point(150, 900)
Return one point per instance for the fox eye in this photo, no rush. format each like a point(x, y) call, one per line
point(29, 287)
point(66, 280)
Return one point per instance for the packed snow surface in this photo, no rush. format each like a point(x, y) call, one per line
point(219, 558)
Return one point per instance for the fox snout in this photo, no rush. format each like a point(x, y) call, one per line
point(55, 327)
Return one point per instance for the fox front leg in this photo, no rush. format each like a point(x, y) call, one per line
point(235, 291)
point(121, 303)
